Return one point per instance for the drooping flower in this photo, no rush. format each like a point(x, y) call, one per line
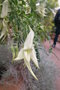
point(28, 9)
point(40, 8)
point(28, 52)
point(5, 9)
point(4, 29)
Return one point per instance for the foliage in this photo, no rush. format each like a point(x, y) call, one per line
point(20, 18)
point(23, 13)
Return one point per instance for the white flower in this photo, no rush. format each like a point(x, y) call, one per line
point(28, 52)
point(37, 4)
point(5, 9)
point(4, 29)
point(40, 8)
point(28, 9)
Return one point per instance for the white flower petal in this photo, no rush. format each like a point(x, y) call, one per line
point(4, 29)
point(33, 57)
point(29, 40)
point(20, 55)
point(27, 56)
point(29, 68)
point(2, 34)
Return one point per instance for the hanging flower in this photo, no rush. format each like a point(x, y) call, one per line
point(5, 9)
point(27, 9)
point(40, 8)
point(28, 52)
point(3, 33)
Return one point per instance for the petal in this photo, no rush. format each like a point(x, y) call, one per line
point(33, 57)
point(4, 9)
point(29, 40)
point(27, 56)
point(29, 68)
point(2, 34)
point(20, 55)
point(4, 29)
